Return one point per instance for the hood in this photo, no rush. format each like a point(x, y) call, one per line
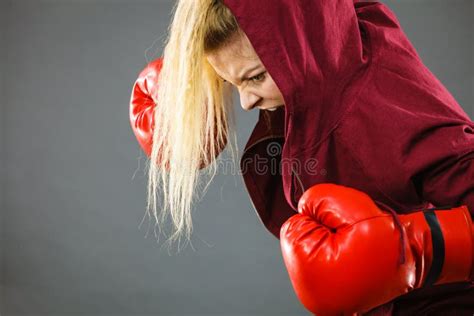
point(312, 49)
point(318, 58)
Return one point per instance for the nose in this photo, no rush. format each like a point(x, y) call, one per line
point(249, 100)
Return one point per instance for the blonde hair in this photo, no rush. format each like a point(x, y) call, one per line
point(194, 117)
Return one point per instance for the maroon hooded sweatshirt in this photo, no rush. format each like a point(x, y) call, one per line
point(361, 110)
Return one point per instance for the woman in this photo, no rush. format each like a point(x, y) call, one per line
point(366, 139)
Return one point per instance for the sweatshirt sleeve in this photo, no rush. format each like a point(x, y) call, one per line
point(448, 179)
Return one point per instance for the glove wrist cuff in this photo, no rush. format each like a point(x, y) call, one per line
point(442, 242)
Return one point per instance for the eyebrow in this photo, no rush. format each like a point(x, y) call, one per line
point(245, 74)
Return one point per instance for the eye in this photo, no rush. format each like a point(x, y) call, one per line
point(259, 77)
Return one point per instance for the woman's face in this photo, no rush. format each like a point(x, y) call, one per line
point(238, 64)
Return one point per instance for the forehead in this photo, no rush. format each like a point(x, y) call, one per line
point(238, 53)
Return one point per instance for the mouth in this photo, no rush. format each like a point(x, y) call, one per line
point(272, 108)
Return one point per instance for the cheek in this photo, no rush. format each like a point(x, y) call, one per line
point(272, 91)
point(272, 88)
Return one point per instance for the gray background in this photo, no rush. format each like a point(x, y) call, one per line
point(73, 183)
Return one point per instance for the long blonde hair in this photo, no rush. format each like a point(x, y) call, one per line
point(194, 117)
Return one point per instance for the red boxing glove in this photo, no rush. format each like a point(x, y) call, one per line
point(143, 102)
point(342, 252)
